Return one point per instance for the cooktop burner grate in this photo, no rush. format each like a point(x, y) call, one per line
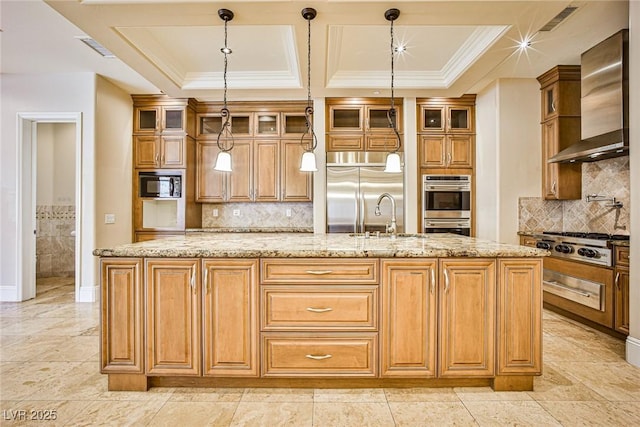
point(585, 235)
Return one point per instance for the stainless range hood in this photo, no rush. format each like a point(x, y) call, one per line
point(604, 103)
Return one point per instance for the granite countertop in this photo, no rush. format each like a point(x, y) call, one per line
point(299, 245)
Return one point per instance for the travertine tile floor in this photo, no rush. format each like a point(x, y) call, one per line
point(49, 362)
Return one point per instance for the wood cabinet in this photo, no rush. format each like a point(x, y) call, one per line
point(159, 151)
point(122, 334)
point(446, 151)
point(319, 317)
point(163, 143)
point(467, 317)
point(173, 301)
point(409, 309)
point(519, 332)
point(621, 289)
point(438, 115)
point(361, 124)
point(446, 131)
point(230, 317)
point(560, 101)
point(265, 158)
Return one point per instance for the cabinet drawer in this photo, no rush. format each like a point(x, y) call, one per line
point(317, 355)
point(622, 256)
point(319, 270)
point(319, 307)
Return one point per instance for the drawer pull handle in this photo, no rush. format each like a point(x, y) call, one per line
point(319, 272)
point(319, 310)
point(314, 357)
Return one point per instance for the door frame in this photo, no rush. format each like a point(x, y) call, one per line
point(26, 198)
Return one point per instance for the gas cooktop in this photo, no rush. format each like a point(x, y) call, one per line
point(584, 235)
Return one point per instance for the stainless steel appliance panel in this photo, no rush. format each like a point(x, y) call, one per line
point(354, 183)
point(343, 199)
point(585, 292)
point(373, 182)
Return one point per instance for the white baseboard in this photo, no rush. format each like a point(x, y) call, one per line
point(9, 293)
point(87, 294)
point(633, 351)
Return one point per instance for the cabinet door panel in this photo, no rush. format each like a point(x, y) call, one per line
point(349, 142)
point(467, 318)
point(230, 318)
point(239, 181)
point(433, 151)
point(296, 185)
point(520, 314)
point(173, 317)
point(210, 183)
point(267, 164)
point(146, 151)
point(173, 152)
point(121, 310)
point(460, 153)
point(621, 320)
point(408, 335)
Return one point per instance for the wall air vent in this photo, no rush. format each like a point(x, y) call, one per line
point(558, 18)
point(96, 46)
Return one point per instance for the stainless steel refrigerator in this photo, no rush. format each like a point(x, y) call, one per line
point(355, 180)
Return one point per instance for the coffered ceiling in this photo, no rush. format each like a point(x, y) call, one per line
point(452, 47)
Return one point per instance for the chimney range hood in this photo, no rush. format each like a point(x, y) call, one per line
point(604, 103)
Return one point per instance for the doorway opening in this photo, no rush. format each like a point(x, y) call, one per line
point(49, 188)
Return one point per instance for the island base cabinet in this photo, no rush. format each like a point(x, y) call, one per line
point(121, 316)
point(467, 318)
point(173, 316)
point(520, 316)
point(319, 355)
point(230, 330)
point(409, 307)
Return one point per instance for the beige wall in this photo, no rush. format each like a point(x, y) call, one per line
point(56, 172)
point(508, 155)
point(114, 113)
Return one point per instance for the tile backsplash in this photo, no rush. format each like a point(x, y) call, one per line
point(608, 178)
point(55, 243)
point(257, 215)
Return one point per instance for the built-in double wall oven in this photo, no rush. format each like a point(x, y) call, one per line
point(446, 203)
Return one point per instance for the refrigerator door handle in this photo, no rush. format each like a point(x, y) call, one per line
point(361, 211)
point(357, 218)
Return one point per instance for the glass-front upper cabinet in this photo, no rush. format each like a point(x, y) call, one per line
point(550, 101)
point(346, 118)
point(211, 124)
point(378, 119)
point(449, 119)
point(267, 124)
point(294, 124)
point(159, 119)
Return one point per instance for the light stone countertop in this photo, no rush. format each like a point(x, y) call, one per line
point(307, 245)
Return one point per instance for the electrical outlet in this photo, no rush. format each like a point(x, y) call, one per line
point(215, 212)
point(236, 212)
point(109, 218)
point(288, 212)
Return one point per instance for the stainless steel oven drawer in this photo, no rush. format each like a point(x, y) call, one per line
point(585, 292)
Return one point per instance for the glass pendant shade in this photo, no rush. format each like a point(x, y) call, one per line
point(223, 162)
point(308, 163)
point(393, 163)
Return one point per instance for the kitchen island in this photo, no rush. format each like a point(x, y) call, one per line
point(320, 310)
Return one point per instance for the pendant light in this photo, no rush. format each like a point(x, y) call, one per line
point(392, 164)
point(308, 163)
point(225, 136)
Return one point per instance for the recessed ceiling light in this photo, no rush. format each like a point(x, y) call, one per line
point(96, 46)
point(400, 48)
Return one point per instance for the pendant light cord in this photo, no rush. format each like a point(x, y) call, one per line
point(224, 111)
point(308, 111)
point(391, 114)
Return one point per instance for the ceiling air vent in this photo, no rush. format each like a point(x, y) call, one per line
point(558, 18)
point(96, 46)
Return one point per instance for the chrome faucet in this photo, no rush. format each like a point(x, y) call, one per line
point(391, 229)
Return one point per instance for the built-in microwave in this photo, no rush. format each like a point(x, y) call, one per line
point(159, 185)
point(446, 203)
